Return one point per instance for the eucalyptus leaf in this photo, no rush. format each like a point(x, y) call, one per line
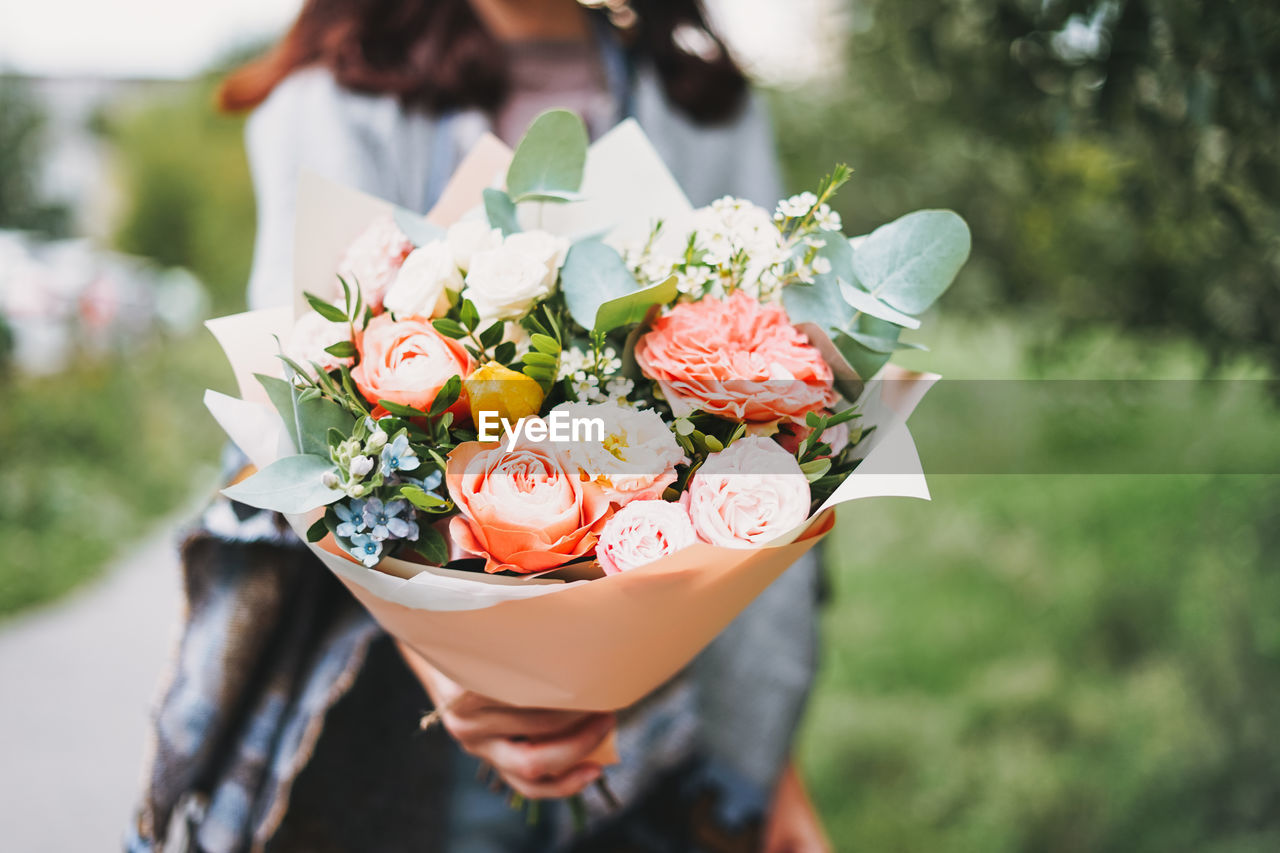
point(867, 303)
point(550, 157)
point(866, 361)
point(416, 228)
point(592, 275)
point(293, 484)
point(634, 307)
point(307, 420)
point(821, 302)
point(911, 261)
point(501, 211)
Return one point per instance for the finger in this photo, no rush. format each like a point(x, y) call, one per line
point(536, 761)
point(558, 788)
point(532, 724)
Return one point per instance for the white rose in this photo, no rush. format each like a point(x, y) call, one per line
point(504, 284)
point(547, 248)
point(469, 236)
point(420, 287)
point(637, 459)
point(309, 338)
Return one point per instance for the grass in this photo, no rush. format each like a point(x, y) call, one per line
point(95, 455)
point(1056, 662)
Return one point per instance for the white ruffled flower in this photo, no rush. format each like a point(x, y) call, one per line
point(468, 237)
point(420, 288)
point(636, 459)
point(828, 219)
point(504, 283)
point(547, 248)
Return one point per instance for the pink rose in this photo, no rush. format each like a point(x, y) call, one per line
point(641, 532)
point(309, 338)
point(520, 509)
point(373, 259)
point(747, 494)
point(737, 359)
point(408, 362)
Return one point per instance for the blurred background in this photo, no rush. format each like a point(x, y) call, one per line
point(1032, 662)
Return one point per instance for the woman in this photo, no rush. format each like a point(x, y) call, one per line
point(291, 722)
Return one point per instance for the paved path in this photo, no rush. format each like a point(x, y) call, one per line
point(76, 683)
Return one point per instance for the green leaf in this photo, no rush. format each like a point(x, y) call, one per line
point(468, 314)
point(416, 228)
point(423, 499)
point(541, 358)
point(550, 158)
point(821, 303)
point(552, 196)
point(505, 352)
point(317, 531)
point(544, 343)
point(342, 349)
point(291, 485)
point(501, 211)
point(908, 263)
point(330, 312)
point(592, 275)
point(431, 545)
point(446, 396)
point(490, 336)
point(815, 469)
point(449, 328)
point(634, 307)
point(400, 409)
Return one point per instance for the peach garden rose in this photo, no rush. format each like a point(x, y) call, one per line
point(408, 362)
point(374, 258)
point(520, 509)
point(738, 359)
point(747, 494)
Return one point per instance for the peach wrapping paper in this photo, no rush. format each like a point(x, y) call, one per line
point(592, 645)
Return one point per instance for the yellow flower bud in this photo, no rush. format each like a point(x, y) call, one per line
point(494, 388)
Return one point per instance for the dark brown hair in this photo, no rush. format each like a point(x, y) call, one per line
point(436, 55)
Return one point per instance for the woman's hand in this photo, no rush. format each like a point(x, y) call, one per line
point(793, 826)
point(540, 753)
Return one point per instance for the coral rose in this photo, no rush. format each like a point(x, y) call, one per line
point(642, 532)
point(408, 362)
point(751, 492)
point(735, 358)
point(520, 509)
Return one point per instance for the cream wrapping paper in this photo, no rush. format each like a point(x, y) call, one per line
point(592, 645)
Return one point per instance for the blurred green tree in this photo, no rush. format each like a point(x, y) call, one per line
point(22, 139)
point(189, 197)
point(1118, 161)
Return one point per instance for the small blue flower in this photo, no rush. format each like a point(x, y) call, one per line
point(366, 549)
point(397, 456)
point(385, 521)
point(351, 514)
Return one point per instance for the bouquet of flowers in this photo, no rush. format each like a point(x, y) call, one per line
point(566, 405)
